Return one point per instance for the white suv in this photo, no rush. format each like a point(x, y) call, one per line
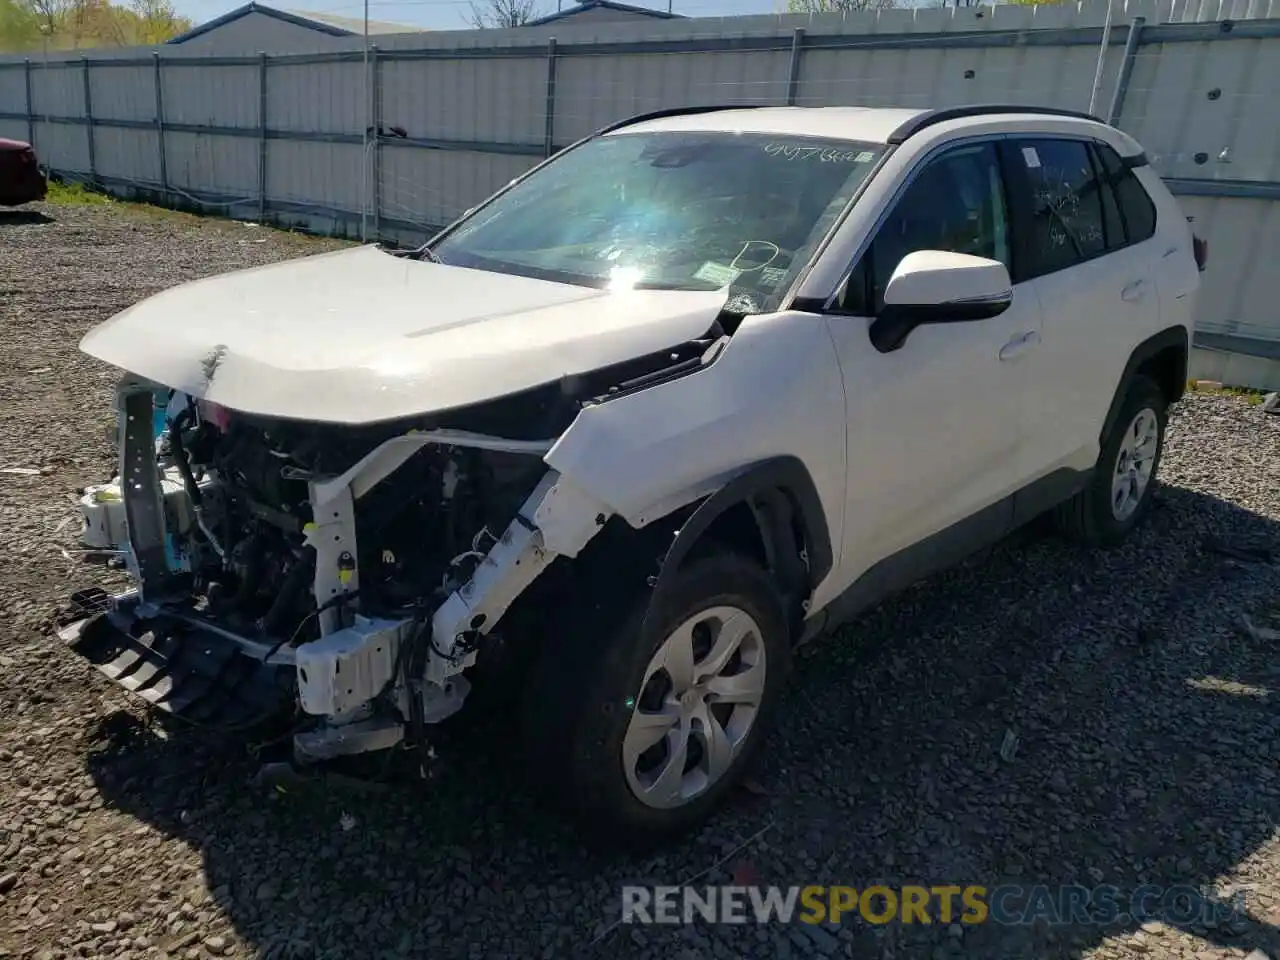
point(696, 389)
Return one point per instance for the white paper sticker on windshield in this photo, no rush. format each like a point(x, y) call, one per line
point(772, 276)
point(1031, 157)
point(717, 273)
point(864, 157)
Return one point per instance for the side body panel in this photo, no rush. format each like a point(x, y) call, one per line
point(1096, 313)
point(934, 428)
point(1174, 269)
point(1046, 472)
point(774, 391)
point(924, 449)
point(936, 435)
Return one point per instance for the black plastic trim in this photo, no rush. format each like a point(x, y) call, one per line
point(1176, 337)
point(947, 548)
point(1138, 160)
point(932, 555)
point(925, 120)
point(664, 370)
point(758, 488)
point(894, 323)
point(1047, 492)
point(812, 304)
point(182, 668)
point(678, 112)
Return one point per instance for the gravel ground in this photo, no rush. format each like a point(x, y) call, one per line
point(1147, 736)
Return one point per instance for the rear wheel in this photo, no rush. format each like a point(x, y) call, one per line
point(1120, 492)
point(641, 728)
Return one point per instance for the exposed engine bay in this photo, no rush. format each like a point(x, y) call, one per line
point(372, 560)
point(352, 569)
point(419, 532)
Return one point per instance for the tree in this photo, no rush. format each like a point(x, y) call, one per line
point(19, 27)
point(52, 15)
point(838, 6)
point(92, 23)
point(156, 21)
point(501, 13)
point(27, 25)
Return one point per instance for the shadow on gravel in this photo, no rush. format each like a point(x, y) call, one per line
point(1141, 748)
point(23, 218)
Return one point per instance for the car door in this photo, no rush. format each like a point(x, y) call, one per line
point(934, 427)
point(1096, 288)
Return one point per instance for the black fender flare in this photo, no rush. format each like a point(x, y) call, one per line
point(1176, 337)
point(782, 497)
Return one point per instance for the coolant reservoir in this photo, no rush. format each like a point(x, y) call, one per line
point(102, 509)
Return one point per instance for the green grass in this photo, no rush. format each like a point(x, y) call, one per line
point(1247, 394)
point(75, 194)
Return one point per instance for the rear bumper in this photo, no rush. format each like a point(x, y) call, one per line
point(198, 672)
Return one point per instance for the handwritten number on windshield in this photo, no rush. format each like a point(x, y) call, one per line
point(795, 151)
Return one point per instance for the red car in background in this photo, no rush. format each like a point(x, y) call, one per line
point(20, 178)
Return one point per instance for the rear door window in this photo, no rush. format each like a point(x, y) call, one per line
point(1067, 219)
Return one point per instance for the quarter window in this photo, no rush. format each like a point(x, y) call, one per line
point(1112, 222)
point(956, 204)
point(1135, 209)
point(1067, 224)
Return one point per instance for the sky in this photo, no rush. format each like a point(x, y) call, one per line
point(452, 14)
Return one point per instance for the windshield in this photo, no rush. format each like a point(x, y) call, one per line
point(669, 210)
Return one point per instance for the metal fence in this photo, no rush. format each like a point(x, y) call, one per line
point(307, 138)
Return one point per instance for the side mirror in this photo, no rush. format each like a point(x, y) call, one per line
point(935, 286)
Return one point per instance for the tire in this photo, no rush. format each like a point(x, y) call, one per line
point(589, 687)
point(1090, 517)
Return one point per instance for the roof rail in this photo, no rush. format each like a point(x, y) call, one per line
point(913, 126)
point(679, 112)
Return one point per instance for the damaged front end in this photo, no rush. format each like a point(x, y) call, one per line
point(355, 571)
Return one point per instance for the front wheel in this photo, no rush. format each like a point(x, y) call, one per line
point(641, 730)
point(1119, 494)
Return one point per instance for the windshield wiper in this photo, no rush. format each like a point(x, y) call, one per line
point(420, 253)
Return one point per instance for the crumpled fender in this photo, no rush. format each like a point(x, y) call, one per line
point(771, 405)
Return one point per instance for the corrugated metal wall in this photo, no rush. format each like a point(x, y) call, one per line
point(282, 137)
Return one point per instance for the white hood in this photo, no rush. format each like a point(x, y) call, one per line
point(360, 336)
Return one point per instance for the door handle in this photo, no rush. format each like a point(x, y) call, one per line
point(1019, 345)
point(1134, 291)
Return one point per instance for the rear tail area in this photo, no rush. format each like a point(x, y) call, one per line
point(21, 180)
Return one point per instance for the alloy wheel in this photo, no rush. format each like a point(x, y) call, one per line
point(697, 704)
point(1134, 461)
